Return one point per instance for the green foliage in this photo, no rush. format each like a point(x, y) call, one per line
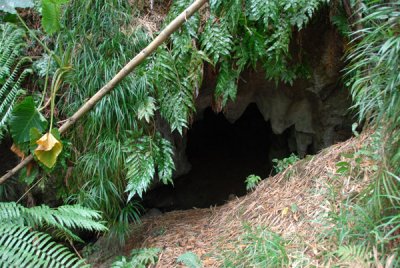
point(99, 178)
point(51, 15)
point(140, 258)
point(373, 75)
point(281, 165)
point(112, 164)
point(374, 65)
point(144, 154)
point(366, 222)
point(62, 219)
point(24, 117)
point(357, 255)
point(175, 87)
point(100, 186)
point(252, 181)
point(23, 247)
point(11, 5)
point(216, 40)
point(259, 247)
point(11, 72)
point(190, 259)
point(226, 87)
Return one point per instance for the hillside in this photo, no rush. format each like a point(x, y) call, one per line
point(295, 204)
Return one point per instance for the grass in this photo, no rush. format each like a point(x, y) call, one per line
point(257, 247)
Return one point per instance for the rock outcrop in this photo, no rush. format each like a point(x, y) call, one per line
point(314, 110)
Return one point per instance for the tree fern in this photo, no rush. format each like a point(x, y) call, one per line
point(11, 76)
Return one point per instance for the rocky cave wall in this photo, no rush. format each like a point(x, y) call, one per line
point(314, 109)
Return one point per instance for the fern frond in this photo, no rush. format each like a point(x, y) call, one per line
point(140, 165)
point(174, 89)
point(355, 254)
point(266, 11)
point(22, 247)
point(164, 160)
point(11, 44)
point(140, 258)
point(190, 260)
point(61, 219)
point(143, 156)
point(226, 88)
point(216, 40)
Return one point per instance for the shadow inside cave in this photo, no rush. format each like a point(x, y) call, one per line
point(222, 155)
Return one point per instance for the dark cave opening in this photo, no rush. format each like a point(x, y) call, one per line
point(222, 155)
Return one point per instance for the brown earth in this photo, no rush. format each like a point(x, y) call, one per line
point(208, 232)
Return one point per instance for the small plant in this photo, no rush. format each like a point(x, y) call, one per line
point(190, 259)
point(258, 247)
point(140, 258)
point(252, 181)
point(282, 164)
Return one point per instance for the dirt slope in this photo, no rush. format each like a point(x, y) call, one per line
point(207, 232)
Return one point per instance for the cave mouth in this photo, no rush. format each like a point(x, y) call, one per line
point(222, 155)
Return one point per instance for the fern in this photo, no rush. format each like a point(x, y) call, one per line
point(226, 85)
point(190, 260)
point(11, 77)
point(140, 164)
point(20, 246)
point(165, 163)
point(62, 218)
point(216, 40)
point(356, 254)
point(265, 11)
point(144, 154)
point(174, 89)
point(140, 258)
point(182, 38)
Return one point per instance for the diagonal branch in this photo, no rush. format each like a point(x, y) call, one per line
point(127, 69)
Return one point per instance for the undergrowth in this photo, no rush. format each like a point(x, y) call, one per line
point(257, 247)
point(119, 150)
point(366, 227)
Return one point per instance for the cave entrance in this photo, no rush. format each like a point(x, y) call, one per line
point(222, 155)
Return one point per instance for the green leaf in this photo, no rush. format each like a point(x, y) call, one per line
point(10, 6)
point(140, 165)
point(24, 117)
point(51, 14)
point(164, 160)
point(190, 259)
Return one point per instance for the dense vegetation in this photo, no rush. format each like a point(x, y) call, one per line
point(115, 152)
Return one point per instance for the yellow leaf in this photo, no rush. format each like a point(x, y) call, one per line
point(285, 211)
point(48, 150)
